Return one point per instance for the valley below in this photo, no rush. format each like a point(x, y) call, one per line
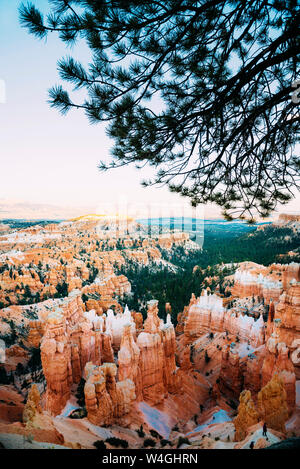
point(114, 335)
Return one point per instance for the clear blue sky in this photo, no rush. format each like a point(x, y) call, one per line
point(47, 158)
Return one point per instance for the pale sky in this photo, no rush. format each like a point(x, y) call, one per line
point(49, 162)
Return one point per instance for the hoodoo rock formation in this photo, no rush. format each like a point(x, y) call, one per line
point(71, 340)
point(157, 359)
point(107, 401)
point(129, 360)
point(272, 408)
point(231, 377)
point(252, 373)
point(207, 314)
point(115, 324)
point(266, 282)
point(204, 315)
point(151, 366)
point(152, 323)
point(33, 405)
point(236, 347)
point(74, 338)
point(287, 315)
point(247, 415)
point(272, 404)
point(277, 362)
point(36, 421)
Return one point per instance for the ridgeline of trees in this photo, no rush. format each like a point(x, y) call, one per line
point(262, 246)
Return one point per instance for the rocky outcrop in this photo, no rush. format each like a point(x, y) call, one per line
point(152, 358)
point(247, 415)
point(37, 421)
point(290, 275)
point(152, 367)
point(129, 360)
point(277, 362)
point(36, 333)
point(285, 218)
point(157, 357)
point(287, 314)
point(138, 319)
point(169, 346)
point(245, 327)
point(252, 373)
point(272, 404)
point(32, 406)
point(107, 354)
point(107, 401)
point(272, 408)
point(231, 376)
point(182, 317)
point(207, 314)
point(204, 315)
point(152, 323)
point(266, 282)
point(72, 339)
point(256, 280)
point(57, 364)
point(115, 325)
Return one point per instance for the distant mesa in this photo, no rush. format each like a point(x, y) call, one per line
point(95, 217)
point(284, 217)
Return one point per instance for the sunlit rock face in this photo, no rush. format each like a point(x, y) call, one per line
point(278, 362)
point(272, 404)
point(32, 406)
point(38, 422)
point(247, 415)
point(271, 408)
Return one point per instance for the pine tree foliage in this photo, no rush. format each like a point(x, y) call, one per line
point(199, 90)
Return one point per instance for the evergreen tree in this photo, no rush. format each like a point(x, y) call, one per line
point(222, 72)
point(27, 292)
